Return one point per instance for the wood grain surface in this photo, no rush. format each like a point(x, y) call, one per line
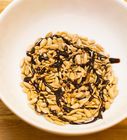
point(13, 128)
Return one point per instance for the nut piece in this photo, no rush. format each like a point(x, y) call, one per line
point(88, 113)
point(75, 106)
point(43, 43)
point(78, 59)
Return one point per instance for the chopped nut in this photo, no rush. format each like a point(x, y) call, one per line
point(43, 43)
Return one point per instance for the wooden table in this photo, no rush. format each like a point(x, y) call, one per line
point(13, 128)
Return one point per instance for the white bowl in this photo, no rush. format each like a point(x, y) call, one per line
point(26, 20)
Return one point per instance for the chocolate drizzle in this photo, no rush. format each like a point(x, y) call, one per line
point(114, 60)
point(36, 85)
point(58, 93)
point(41, 57)
point(63, 53)
point(64, 39)
point(27, 79)
point(44, 99)
point(46, 84)
point(53, 112)
point(40, 71)
point(99, 116)
point(38, 42)
point(59, 61)
point(58, 64)
point(28, 53)
point(67, 109)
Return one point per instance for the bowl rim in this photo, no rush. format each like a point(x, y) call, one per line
point(26, 119)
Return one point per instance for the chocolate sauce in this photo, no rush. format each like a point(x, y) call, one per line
point(105, 82)
point(63, 53)
point(38, 42)
point(32, 50)
point(75, 83)
point(64, 39)
point(67, 109)
point(53, 112)
point(89, 51)
point(98, 81)
point(89, 87)
point(92, 108)
point(91, 98)
point(35, 107)
point(58, 93)
point(74, 123)
point(36, 85)
point(114, 60)
point(41, 57)
point(59, 61)
point(33, 71)
point(100, 56)
point(40, 71)
point(100, 113)
point(28, 53)
point(33, 61)
point(103, 109)
point(83, 79)
point(44, 98)
point(105, 66)
point(95, 119)
point(63, 119)
point(46, 84)
point(58, 64)
point(27, 79)
point(65, 81)
point(59, 117)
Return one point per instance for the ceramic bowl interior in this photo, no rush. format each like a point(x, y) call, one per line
point(26, 20)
